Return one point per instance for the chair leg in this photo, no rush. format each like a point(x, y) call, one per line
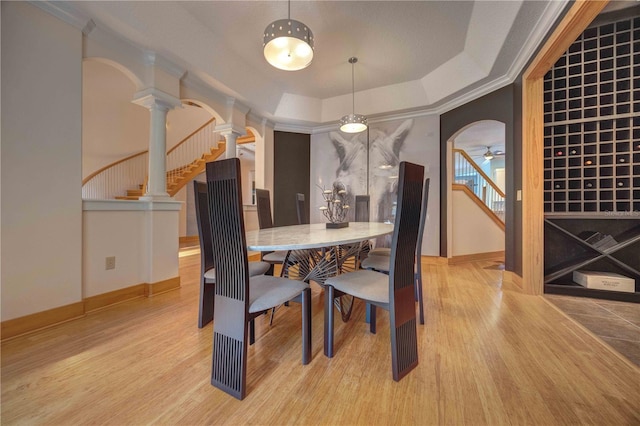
point(328, 321)
point(270, 270)
point(419, 293)
point(252, 331)
point(306, 326)
point(372, 318)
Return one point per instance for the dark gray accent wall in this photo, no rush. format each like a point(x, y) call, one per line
point(498, 105)
point(292, 154)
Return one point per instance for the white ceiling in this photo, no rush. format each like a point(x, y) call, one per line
point(413, 55)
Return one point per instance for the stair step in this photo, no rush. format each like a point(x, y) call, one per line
point(127, 197)
point(135, 192)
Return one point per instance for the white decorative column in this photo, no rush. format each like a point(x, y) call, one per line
point(230, 133)
point(159, 104)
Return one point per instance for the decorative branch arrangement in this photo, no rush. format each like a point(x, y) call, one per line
point(337, 201)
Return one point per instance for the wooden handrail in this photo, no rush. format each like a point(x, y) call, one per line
point(480, 172)
point(191, 134)
point(88, 178)
point(478, 201)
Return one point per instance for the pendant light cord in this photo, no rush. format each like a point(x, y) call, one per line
point(352, 61)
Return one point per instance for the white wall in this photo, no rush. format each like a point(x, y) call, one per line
point(141, 235)
point(473, 230)
point(41, 161)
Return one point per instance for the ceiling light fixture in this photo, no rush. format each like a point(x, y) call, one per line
point(488, 155)
point(288, 44)
point(353, 123)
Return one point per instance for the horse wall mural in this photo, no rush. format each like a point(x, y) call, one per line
point(370, 159)
point(378, 164)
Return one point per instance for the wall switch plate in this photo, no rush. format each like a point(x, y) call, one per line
point(110, 262)
point(519, 195)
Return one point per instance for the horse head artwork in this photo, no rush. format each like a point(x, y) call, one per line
point(383, 157)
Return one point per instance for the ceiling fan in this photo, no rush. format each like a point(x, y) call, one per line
point(490, 155)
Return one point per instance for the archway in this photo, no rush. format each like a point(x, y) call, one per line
point(476, 170)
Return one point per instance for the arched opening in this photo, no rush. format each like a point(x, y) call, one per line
point(476, 171)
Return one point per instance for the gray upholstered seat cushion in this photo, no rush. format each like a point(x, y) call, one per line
point(380, 251)
point(258, 268)
point(363, 284)
point(266, 291)
point(379, 263)
point(210, 276)
point(275, 256)
point(255, 268)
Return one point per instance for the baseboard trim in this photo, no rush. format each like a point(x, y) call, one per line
point(101, 301)
point(493, 255)
point(162, 286)
point(189, 239)
point(39, 320)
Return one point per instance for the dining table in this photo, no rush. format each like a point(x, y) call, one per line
point(316, 252)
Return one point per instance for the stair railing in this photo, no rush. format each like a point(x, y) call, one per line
point(467, 172)
point(191, 148)
point(113, 180)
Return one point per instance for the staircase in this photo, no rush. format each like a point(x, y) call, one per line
point(179, 177)
point(132, 172)
point(470, 178)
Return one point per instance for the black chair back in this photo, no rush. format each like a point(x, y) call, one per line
point(263, 205)
point(205, 310)
point(301, 208)
point(423, 219)
point(362, 208)
point(402, 313)
point(232, 277)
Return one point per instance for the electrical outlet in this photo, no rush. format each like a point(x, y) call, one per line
point(110, 262)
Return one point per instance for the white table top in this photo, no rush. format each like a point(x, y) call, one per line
point(315, 235)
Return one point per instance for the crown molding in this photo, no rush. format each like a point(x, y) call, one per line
point(548, 19)
point(66, 12)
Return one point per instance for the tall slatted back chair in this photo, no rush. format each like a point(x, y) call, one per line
point(362, 208)
point(207, 271)
point(393, 292)
point(265, 221)
point(263, 205)
point(238, 297)
point(418, 269)
point(301, 209)
point(207, 281)
point(379, 259)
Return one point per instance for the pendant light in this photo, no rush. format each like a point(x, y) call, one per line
point(288, 44)
point(353, 123)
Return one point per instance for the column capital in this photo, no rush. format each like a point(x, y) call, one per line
point(230, 129)
point(154, 98)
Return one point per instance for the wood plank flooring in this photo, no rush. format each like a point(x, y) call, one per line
point(488, 355)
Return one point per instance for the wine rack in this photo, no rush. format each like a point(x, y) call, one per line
point(592, 123)
point(592, 159)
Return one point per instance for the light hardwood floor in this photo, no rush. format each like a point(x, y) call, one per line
point(488, 355)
